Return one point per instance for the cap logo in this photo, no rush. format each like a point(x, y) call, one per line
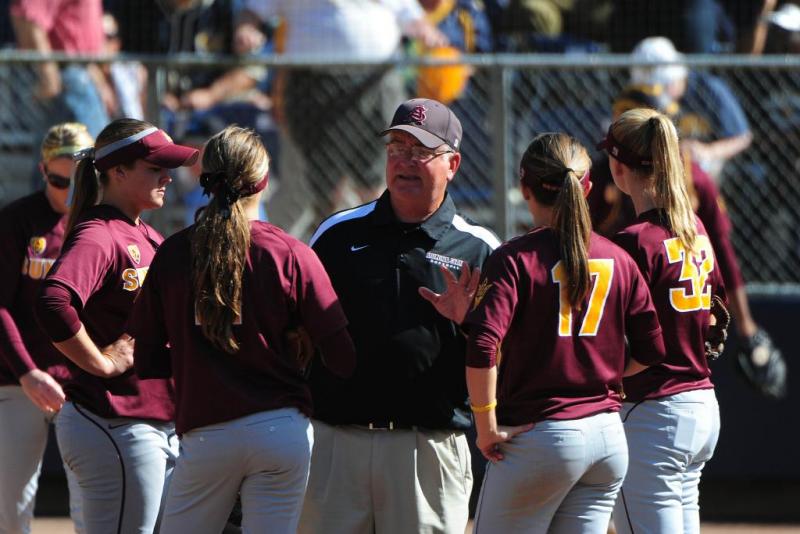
point(614, 151)
point(133, 250)
point(418, 115)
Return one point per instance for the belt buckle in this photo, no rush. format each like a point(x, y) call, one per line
point(372, 426)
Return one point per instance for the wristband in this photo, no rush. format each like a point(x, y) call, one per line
point(485, 408)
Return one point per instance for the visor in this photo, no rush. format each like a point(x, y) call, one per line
point(152, 145)
point(622, 153)
point(428, 139)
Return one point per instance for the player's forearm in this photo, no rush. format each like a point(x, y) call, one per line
point(12, 347)
point(84, 353)
point(482, 388)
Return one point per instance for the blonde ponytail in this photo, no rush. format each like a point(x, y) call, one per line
point(652, 136)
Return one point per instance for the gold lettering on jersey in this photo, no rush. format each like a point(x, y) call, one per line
point(695, 268)
point(446, 261)
point(132, 279)
point(483, 287)
point(37, 268)
point(133, 250)
point(38, 244)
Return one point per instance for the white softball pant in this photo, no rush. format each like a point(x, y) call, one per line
point(670, 440)
point(264, 456)
point(22, 444)
point(560, 477)
point(122, 467)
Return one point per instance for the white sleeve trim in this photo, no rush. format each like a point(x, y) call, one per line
point(480, 232)
point(342, 216)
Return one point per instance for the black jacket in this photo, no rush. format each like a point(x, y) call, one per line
point(410, 368)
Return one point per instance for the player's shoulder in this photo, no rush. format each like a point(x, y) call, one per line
point(272, 243)
point(342, 222)
point(178, 240)
point(474, 231)
point(603, 247)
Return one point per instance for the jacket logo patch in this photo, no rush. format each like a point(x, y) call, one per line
point(446, 261)
point(38, 244)
point(133, 250)
point(483, 287)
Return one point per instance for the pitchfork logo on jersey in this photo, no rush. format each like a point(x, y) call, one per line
point(480, 293)
point(418, 115)
point(38, 244)
point(133, 250)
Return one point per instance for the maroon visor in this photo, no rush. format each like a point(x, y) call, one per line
point(620, 152)
point(152, 145)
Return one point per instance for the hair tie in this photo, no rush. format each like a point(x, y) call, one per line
point(654, 121)
point(210, 182)
point(567, 171)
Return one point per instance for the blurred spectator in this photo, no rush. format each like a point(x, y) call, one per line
point(75, 27)
point(690, 24)
point(783, 35)
point(128, 79)
point(6, 29)
point(332, 115)
point(713, 125)
point(748, 19)
point(466, 26)
point(200, 102)
point(143, 26)
point(207, 27)
point(548, 25)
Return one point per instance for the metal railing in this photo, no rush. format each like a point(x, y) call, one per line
point(508, 99)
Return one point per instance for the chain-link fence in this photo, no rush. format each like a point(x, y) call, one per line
point(323, 135)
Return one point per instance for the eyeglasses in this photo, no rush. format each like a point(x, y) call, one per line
point(57, 181)
point(413, 153)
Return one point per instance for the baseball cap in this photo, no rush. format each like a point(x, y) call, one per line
point(657, 49)
point(430, 121)
point(645, 96)
point(152, 145)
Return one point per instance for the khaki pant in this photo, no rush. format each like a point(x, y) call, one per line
point(387, 481)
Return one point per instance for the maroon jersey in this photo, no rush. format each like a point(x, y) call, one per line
point(612, 210)
point(284, 285)
point(555, 362)
point(103, 263)
point(31, 233)
point(681, 285)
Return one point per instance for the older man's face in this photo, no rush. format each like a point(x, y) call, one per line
point(415, 175)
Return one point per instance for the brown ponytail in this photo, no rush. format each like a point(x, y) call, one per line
point(233, 159)
point(649, 133)
point(87, 180)
point(553, 168)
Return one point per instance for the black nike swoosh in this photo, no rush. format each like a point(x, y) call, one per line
point(112, 427)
